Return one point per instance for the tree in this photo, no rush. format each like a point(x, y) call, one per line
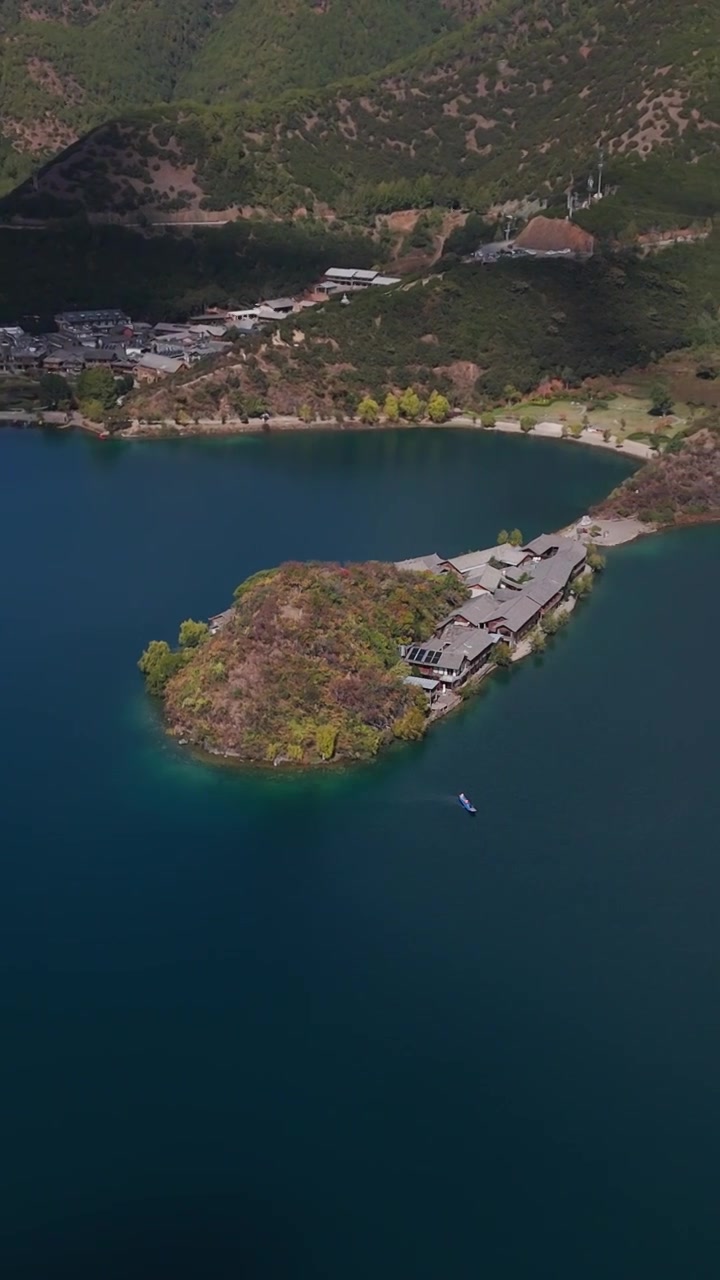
point(502, 654)
point(54, 391)
point(503, 537)
point(158, 663)
point(576, 430)
point(550, 623)
point(595, 560)
point(305, 413)
point(527, 422)
point(410, 405)
point(325, 740)
point(94, 410)
point(411, 725)
point(516, 538)
point(487, 419)
point(368, 410)
point(438, 407)
point(192, 633)
point(96, 384)
point(391, 408)
point(661, 402)
point(538, 642)
point(582, 586)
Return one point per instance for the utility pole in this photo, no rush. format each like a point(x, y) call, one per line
point(508, 227)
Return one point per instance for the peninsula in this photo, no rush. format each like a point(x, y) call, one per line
point(306, 666)
point(325, 662)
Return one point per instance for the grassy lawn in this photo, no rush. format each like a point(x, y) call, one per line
point(625, 415)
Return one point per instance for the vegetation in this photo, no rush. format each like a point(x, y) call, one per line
point(96, 387)
point(661, 402)
point(71, 65)
point(502, 654)
point(582, 586)
point(54, 391)
point(381, 106)
point(550, 623)
point(470, 333)
point(514, 538)
point(681, 487)
point(368, 410)
point(168, 276)
point(307, 669)
point(595, 559)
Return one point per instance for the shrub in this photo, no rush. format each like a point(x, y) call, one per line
point(502, 654)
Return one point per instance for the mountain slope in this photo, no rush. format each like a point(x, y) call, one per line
point(511, 105)
point(67, 65)
point(265, 47)
point(471, 333)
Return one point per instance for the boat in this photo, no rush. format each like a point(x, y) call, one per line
point(466, 804)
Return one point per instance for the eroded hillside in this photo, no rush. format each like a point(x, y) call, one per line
point(513, 104)
point(69, 65)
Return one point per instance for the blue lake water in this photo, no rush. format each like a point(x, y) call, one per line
point(328, 1027)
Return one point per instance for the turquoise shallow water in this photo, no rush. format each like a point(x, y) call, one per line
point(285, 1027)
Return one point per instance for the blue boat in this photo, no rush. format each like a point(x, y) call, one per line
point(467, 806)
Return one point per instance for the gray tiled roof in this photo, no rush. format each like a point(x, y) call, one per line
point(548, 542)
point(503, 553)
point(477, 611)
point(421, 564)
point(543, 590)
point(465, 645)
point(519, 613)
point(486, 577)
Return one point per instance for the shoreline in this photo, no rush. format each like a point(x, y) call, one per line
point(206, 428)
point(169, 429)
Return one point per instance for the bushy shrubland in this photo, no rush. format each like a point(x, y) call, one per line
point(307, 669)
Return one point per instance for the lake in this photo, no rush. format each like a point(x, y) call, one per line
point(327, 1027)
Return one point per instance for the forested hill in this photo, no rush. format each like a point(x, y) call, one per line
point(68, 65)
point(511, 104)
point(473, 333)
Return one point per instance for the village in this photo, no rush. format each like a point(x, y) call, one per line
point(110, 339)
point(513, 589)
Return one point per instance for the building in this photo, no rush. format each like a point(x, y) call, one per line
point(481, 581)
point(513, 618)
point(511, 589)
point(453, 657)
point(341, 278)
point(103, 321)
point(474, 562)
point(153, 365)
point(554, 236)
point(431, 687)
point(276, 307)
point(422, 564)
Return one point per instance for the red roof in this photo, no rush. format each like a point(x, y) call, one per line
point(554, 234)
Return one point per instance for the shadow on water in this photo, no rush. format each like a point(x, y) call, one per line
point(239, 1237)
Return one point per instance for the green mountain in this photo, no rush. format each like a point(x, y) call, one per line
point(68, 65)
point(510, 104)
